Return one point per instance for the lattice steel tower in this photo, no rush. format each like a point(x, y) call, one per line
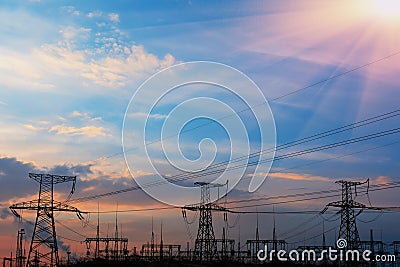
point(205, 244)
point(348, 227)
point(43, 248)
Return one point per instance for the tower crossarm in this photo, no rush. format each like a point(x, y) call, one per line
point(51, 178)
point(106, 239)
point(210, 206)
point(350, 204)
point(36, 205)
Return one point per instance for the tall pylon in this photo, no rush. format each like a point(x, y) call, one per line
point(348, 227)
point(43, 248)
point(205, 244)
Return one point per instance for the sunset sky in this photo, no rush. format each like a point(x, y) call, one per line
point(69, 69)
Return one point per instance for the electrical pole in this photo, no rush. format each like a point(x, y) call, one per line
point(97, 249)
point(205, 244)
point(348, 227)
point(19, 255)
point(44, 248)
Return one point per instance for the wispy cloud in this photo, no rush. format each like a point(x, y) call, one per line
point(114, 17)
point(94, 14)
point(294, 176)
point(32, 127)
point(144, 115)
point(297, 176)
point(82, 57)
point(90, 131)
point(86, 116)
point(71, 10)
point(71, 32)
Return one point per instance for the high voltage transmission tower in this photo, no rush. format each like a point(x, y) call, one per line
point(348, 227)
point(43, 248)
point(205, 244)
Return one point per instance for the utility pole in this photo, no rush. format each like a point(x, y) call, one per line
point(161, 244)
point(152, 239)
point(19, 255)
point(43, 247)
point(116, 247)
point(348, 227)
point(97, 249)
point(205, 244)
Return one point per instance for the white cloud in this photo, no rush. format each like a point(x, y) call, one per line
point(71, 32)
point(32, 127)
point(71, 10)
point(114, 17)
point(41, 68)
point(144, 115)
point(117, 71)
point(94, 14)
point(85, 116)
point(72, 61)
point(44, 66)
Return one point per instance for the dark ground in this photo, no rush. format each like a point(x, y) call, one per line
point(101, 263)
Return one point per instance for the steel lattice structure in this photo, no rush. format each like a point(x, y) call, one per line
point(43, 247)
point(348, 227)
point(205, 244)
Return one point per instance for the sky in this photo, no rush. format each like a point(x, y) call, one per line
point(70, 71)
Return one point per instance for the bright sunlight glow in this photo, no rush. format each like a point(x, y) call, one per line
point(386, 9)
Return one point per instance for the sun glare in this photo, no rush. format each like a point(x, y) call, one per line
point(386, 9)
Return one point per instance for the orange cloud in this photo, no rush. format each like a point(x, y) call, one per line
point(297, 176)
point(90, 131)
point(381, 180)
point(294, 176)
point(32, 127)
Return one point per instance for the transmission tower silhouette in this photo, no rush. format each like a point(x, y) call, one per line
point(348, 227)
point(43, 248)
point(205, 243)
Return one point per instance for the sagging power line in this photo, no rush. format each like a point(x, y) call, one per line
point(209, 171)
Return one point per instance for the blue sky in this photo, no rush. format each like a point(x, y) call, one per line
point(70, 68)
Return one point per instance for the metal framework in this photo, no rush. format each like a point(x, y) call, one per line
point(160, 251)
point(20, 255)
point(119, 244)
point(43, 247)
point(348, 227)
point(205, 244)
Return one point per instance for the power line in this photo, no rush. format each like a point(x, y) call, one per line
point(70, 229)
point(289, 155)
point(298, 226)
point(70, 239)
point(340, 156)
point(306, 230)
point(282, 96)
point(327, 231)
point(337, 76)
point(269, 197)
point(372, 188)
point(387, 185)
point(138, 210)
point(314, 137)
point(305, 199)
